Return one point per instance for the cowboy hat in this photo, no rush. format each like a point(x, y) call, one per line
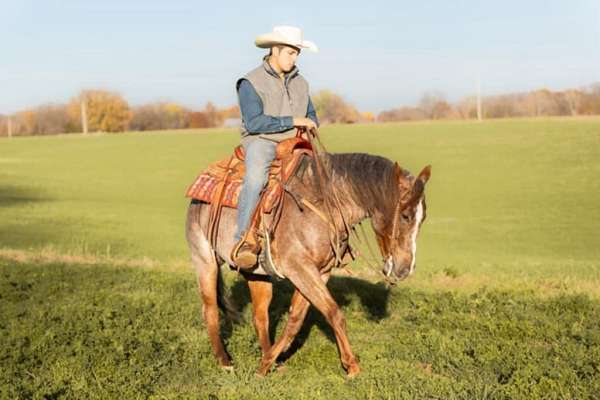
point(289, 35)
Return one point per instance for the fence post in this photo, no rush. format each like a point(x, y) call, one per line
point(84, 121)
point(479, 113)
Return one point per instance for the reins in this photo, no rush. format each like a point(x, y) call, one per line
point(333, 202)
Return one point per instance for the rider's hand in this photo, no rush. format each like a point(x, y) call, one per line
point(307, 123)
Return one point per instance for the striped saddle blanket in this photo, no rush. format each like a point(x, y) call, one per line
point(222, 181)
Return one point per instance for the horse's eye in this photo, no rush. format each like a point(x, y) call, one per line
point(405, 217)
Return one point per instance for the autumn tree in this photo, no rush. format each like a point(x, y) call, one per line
point(106, 111)
point(466, 108)
point(157, 116)
point(401, 114)
point(332, 108)
point(210, 117)
point(434, 105)
point(590, 103)
point(231, 112)
point(574, 99)
point(51, 119)
point(367, 116)
point(3, 125)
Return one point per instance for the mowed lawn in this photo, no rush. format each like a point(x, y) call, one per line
point(97, 298)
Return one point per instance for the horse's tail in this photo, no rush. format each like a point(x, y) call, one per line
point(225, 303)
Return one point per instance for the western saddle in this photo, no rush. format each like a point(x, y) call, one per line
point(220, 185)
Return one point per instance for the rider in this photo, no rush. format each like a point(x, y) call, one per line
point(274, 99)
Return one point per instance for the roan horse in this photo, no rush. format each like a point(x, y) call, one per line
point(368, 187)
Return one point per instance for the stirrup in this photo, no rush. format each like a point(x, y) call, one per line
point(245, 259)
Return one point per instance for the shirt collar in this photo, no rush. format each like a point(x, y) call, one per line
point(287, 76)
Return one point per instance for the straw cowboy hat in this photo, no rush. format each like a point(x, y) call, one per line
point(289, 35)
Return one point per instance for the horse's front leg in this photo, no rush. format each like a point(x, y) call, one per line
point(261, 293)
point(309, 283)
point(298, 309)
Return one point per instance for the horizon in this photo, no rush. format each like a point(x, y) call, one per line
point(198, 53)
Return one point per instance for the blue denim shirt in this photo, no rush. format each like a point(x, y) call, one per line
point(256, 121)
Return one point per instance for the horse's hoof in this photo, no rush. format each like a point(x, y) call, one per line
point(353, 371)
point(227, 368)
point(280, 367)
point(263, 370)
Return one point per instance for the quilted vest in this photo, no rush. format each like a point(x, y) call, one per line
point(279, 97)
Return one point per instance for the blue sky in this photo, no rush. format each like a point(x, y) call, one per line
point(377, 54)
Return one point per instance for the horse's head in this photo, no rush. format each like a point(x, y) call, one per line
point(397, 228)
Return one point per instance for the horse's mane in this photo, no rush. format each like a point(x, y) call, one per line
point(368, 179)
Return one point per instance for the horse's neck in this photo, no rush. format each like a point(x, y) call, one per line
point(344, 185)
point(353, 211)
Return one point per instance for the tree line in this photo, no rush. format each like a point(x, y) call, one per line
point(105, 111)
point(536, 103)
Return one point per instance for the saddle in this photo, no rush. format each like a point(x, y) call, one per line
point(229, 173)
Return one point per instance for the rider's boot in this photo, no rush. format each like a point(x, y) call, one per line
point(245, 252)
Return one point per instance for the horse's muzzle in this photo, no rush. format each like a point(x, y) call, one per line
point(392, 273)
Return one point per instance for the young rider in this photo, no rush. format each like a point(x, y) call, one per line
point(274, 100)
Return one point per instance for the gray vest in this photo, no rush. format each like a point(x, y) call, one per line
point(279, 98)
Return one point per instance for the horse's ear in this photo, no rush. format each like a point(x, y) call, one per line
point(417, 191)
point(425, 174)
point(400, 176)
point(419, 185)
point(397, 169)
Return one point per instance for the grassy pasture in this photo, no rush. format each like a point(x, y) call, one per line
point(97, 299)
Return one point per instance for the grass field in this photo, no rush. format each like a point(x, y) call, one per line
point(97, 298)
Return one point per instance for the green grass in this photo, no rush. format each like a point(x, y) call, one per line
point(97, 298)
point(520, 197)
point(77, 331)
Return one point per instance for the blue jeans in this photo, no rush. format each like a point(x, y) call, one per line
point(259, 155)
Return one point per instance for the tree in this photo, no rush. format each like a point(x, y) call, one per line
point(591, 101)
point(158, 116)
point(542, 102)
point(106, 111)
point(504, 106)
point(401, 114)
point(332, 108)
point(466, 108)
point(51, 119)
point(573, 98)
point(210, 117)
point(434, 105)
point(367, 116)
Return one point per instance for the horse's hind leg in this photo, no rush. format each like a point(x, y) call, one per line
point(261, 292)
point(207, 272)
point(298, 309)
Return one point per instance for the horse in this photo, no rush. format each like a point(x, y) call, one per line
point(367, 186)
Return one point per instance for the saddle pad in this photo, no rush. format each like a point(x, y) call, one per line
point(204, 187)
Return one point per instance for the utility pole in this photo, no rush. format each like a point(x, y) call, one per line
point(84, 120)
point(479, 114)
point(9, 123)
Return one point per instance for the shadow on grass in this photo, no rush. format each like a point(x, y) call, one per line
point(373, 299)
point(11, 195)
